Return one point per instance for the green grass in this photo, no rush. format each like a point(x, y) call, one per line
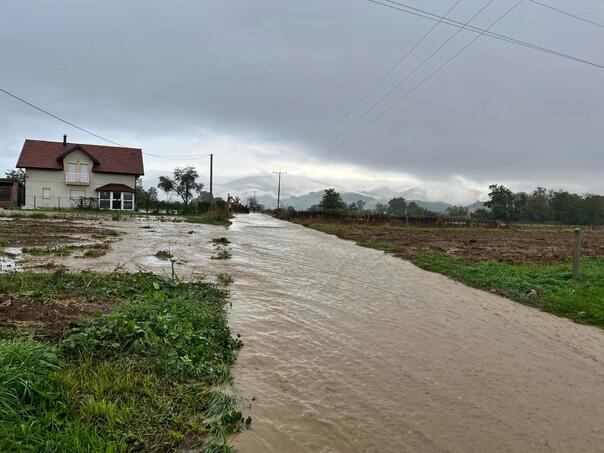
point(218, 217)
point(56, 250)
point(144, 378)
point(91, 250)
point(558, 293)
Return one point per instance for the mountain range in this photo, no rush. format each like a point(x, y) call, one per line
point(263, 186)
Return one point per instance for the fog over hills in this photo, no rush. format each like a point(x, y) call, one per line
point(292, 194)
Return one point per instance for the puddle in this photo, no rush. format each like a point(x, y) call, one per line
point(8, 264)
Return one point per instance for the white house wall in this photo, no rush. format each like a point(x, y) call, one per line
point(36, 180)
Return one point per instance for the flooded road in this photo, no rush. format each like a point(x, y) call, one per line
point(350, 350)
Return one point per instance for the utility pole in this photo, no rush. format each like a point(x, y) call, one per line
point(212, 176)
point(211, 181)
point(279, 187)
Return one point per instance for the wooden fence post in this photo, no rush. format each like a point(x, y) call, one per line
point(577, 255)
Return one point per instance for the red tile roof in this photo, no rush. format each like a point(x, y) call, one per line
point(107, 159)
point(115, 188)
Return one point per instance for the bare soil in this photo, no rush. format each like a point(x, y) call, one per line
point(15, 232)
point(526, 246)
point(47, 319)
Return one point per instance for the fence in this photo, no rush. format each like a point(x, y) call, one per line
point(85, 203)
point(380, 219)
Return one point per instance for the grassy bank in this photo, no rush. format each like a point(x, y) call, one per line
point(147, 376)
point(219, 217)
point(546, 286)
point(215, 217)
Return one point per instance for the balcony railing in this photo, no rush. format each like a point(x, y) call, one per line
point(77, 178)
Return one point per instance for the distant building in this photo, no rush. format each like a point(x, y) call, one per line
point(62, 174)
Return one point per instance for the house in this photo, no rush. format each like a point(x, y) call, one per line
point(65, 175)
point(11, 193)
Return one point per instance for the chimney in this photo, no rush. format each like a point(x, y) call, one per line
point(64, 139)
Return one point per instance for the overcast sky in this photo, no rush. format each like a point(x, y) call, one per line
point(259, 82)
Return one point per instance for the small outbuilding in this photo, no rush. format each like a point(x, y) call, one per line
point(12, 193)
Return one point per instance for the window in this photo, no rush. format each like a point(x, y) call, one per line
point(46, 193)
point(105, 200)
point(72, 167)
point(77, 194)
point(4, 193)
point(83, 168)
point(116, 200)
point(128, 201)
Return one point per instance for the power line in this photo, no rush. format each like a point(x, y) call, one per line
point(63, 120)
point(166, 156)
point(431, 16)
point(59, 118)
point(566, 13)
point(408, 76)
point(425, 80)
point(385, 76)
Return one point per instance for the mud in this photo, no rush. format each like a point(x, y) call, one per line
point(18, 232)
point(47, 319)
point(351, 350)
point(509, 246)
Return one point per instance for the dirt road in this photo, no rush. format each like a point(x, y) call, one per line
point(350, 350)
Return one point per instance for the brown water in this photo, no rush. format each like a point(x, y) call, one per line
point(350, 350)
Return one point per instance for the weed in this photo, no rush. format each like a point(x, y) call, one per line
point(224, 279)
point(163, 255)
point(221, 253)
point(142, 378)
point(221, 240)
point(13, 332)
point(56, 250)
point(116, 217)
point(29, 215)
point(94, 252)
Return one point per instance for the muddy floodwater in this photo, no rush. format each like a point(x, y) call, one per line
point(350, 350)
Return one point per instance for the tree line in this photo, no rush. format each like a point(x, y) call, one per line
point(543, 206)
point(397, 207)
point(539, 206)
